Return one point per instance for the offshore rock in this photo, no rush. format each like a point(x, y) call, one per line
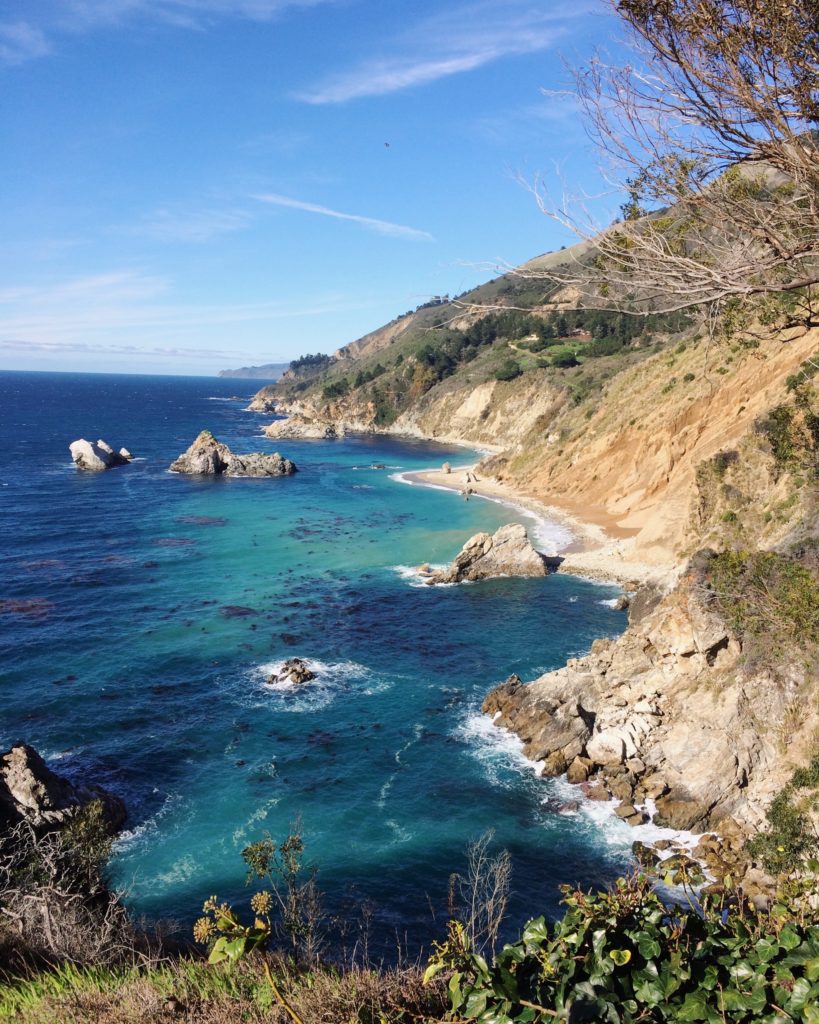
point(209, 457)
point(507, 552)
point(30, 791)
point(294, 670)
point(97, 456)
point(302, 427)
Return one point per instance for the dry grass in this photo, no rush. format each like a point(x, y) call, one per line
point(197, 993)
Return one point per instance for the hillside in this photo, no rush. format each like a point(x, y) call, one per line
point(267, 371)
point(658, 441)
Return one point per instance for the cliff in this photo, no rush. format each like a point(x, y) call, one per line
point(673, 442)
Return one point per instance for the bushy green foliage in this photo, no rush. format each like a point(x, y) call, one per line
point(790, 844)
point(623, 956)
point(770, 601)
point(509, 369)
point(309, 364)
point(336, 389)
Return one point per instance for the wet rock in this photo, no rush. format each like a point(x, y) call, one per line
point(208, 457)
point(97, 456)
point(294, 670)
point(507, 552)
point(579, 770)
point(30, 791)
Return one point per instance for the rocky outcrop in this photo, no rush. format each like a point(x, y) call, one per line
point(30, 791)
point(665, 713)
point(294, 670)
point(208, 457)
point(262, 402)
point(507, 552)
point(97, 456)
point(301, 427)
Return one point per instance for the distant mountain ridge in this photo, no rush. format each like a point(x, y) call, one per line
point(267, 371)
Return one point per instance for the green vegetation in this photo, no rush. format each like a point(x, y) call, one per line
point(790, 841)
point(309, 365)
point(624, 956)
point(770, 601)
point(509, 369)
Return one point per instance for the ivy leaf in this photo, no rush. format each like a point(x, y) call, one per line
point(620, 956)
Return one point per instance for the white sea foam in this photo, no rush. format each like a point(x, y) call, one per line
point(415, 578)
point(332, 679)
point(172, 803)
point(609, 602)
point(495, 748)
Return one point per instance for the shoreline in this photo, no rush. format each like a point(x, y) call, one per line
point(592, 551)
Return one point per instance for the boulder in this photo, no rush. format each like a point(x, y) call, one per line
point(294, 670)
point(301, 426)
point(30, 791)
point(507, 552)
point(209, 457)
point(96, 456)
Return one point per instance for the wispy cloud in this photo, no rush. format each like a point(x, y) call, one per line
point(42, 21)
point(382, 227)
point(104, 312)
point(168, 225)
point(21, 41)
point(450, 43)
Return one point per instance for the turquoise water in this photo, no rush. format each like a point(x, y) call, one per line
point(150, 609)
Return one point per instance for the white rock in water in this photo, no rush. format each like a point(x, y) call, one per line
point(95, 457)
point(125, 454)
point(507, 552)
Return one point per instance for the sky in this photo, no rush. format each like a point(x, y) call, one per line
point(191, 185)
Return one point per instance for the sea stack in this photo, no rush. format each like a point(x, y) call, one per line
point(97, 456)
point(209, 457)
point(507, 552)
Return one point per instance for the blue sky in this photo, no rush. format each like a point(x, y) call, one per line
point(188, 185)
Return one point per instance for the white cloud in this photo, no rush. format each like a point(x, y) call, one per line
point(451, 43)
point(43, 20)
point(167, 225)
point(21, 41)
point(103, 312)
point(382, 227)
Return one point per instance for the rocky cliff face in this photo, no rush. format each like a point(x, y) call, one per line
point(671, 711)
point(30, 791)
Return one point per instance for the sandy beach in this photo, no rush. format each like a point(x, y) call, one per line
point(598, 549)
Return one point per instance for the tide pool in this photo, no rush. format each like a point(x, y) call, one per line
point(151, 608)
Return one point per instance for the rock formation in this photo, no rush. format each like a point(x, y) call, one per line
point(99, 456)
point(208, 457)
point(665, 713)
point(301, 426)
point(294, 670)
point(507, 552)
point(30, 791)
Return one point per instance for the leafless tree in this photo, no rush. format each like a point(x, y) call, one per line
point(711, 131)
point(479, 897)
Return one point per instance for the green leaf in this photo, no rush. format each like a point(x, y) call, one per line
point(648, 948)
point(694, 1008)
point(475, 1003)
point(620, 956)
point(433, 967)
point(455, 993)
point(789, 938)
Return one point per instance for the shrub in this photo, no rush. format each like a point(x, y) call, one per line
point(770, 601)
point(623, 956)
point(508, 370)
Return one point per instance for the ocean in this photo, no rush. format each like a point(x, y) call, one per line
point(141, 613)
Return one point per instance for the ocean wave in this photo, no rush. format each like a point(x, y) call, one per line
point(413, 575)
point(131, 837)
point(610, 602)
point(498, 750)
point(331, 679)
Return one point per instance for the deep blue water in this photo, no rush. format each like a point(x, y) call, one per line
point(128, 661)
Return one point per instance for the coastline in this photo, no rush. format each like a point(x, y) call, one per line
point(594, 550)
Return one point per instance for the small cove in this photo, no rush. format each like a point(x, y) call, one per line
point(157, 605)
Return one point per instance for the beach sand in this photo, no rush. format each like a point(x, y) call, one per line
point(596, 546)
